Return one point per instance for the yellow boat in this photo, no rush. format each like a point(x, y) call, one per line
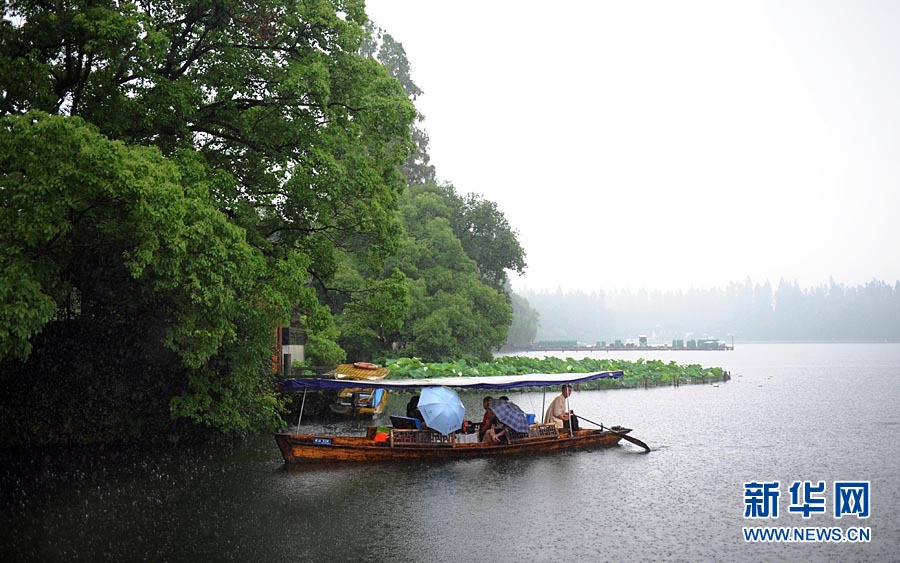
point(359, 401)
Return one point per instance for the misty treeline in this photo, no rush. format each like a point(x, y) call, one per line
point(745, 311)
point(179, 179)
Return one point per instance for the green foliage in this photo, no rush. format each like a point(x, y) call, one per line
point(234, 153)
point(480, 227)
point(523, 330)
point(636, 374)
point(24, 307)
point(81, 214)
point(276, 95)
point(374, 313)
point(450, 308)
point(434, 304)
point(322, 333)
point(452, 312)
point(488, 239)
point(390, 53)
point(122, 238)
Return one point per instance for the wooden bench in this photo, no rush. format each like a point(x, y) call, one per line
point(464, 438)
point(534, 431)
point(417, 437)
point(543, 431)
point(515, 436)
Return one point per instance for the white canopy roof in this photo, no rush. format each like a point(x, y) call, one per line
point(480, 382)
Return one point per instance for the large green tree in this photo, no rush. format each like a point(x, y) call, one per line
point(452, 312)
point(430, 301)
point(274, 94)
point(435, 299)
point(488, 238)
point(371, 311)
point(285, 142)
point(482, 229)
point(389, 52)
point(118, 260)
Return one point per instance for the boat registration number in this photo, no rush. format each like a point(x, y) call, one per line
point(322, 441)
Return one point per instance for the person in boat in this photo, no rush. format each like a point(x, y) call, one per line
point(412, 410)
point(488, 417)
point(496, 433)
point(558, 414)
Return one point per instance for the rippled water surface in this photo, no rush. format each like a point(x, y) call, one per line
point(791, 412)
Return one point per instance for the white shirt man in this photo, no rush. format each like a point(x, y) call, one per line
point(558, 414)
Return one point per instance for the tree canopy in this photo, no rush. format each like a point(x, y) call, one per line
point(432, 301)
point(452, 312)
point(177, 179)
point(186, 175)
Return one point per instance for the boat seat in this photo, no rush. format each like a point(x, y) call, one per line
point(513, 435)
point(543, 431)
point(405, 422)
point(418, 437)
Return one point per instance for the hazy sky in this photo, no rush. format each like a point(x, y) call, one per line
point(669, 144)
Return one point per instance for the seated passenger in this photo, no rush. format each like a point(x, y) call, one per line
point(412, 410)
point(488, 416)
point(496, 433)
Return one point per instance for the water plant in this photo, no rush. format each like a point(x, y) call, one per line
point(638, 373)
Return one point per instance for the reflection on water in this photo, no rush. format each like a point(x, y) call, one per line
point(792, 412)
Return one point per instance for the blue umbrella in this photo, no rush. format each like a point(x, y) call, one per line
point(442, 409)
point(511, 415)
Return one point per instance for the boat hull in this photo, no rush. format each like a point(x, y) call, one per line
point(309, 448)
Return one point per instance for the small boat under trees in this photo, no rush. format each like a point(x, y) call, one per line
point(360, 401)
point(383, 443)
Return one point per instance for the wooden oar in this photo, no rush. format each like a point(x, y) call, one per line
point(626, 437)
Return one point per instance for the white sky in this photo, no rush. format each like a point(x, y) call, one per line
point(669, 144)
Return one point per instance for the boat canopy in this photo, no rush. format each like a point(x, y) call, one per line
point(481, 382)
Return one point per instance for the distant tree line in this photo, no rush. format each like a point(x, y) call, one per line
point(746, 311)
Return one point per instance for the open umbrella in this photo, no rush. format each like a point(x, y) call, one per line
point(511, 415)
point(442, 409)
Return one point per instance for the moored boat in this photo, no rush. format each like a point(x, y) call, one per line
point(360, 401)
point(395, 444)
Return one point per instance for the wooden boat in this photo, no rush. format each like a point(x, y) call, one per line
point(360, 401)
point(405, 445)
point(394, 444)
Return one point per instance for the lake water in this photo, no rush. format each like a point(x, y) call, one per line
point(816, 412)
